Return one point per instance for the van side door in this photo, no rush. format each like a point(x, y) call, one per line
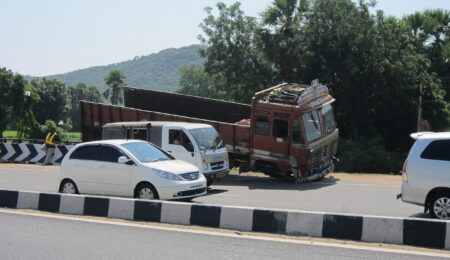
point(180, 145)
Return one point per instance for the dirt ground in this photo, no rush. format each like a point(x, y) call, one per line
point(369, 178)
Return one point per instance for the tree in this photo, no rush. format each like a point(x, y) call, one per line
point(372, 64)
point(195, 81)
point(430, 31)
point(52, 102)
point(81, 92)
point(372, 67)
point(282, 36)
point(7, 90)
point(115, 81)
point(5, 83)
point(233, 53)
point(15, 104)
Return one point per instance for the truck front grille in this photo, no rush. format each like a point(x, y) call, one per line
point(217, 165)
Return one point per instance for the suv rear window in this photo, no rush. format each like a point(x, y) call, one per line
point(437, 150)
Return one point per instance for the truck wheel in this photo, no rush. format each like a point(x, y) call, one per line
point(440, 206)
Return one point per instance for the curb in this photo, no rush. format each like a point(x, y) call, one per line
point(408, 231)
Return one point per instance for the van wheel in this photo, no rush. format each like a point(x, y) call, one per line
point(146, 191)
point(440, 206)
point(68, 187)
point(209, 182)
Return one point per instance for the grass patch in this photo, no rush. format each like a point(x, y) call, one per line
point(72, 136)
point(9, 134)
point(67, 137)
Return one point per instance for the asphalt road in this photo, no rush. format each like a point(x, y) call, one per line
point(328, 195)
point(41, 237)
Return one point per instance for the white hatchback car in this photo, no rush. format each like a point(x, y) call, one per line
point(130, 168)
point(426, 174)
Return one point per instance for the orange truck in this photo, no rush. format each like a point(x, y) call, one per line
point(288, 131)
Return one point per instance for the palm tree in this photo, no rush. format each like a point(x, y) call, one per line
point(283, 20)
point(115, 81)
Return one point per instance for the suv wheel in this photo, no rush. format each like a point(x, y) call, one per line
point(440, 205)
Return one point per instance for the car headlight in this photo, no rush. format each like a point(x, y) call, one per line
point(168, 175)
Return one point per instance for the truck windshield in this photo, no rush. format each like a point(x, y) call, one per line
point(312, 125)
point(328, 118)
point(146, 152)
point(207, 138)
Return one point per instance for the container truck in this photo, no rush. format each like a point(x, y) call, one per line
point(287, 131)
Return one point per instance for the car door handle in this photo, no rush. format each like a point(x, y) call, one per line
point(169, 151)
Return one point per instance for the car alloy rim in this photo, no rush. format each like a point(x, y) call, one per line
point(442, 208)
point(146, 193)
point(69, 188)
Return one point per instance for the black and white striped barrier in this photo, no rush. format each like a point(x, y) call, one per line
point(408, 231)
point(29, 153)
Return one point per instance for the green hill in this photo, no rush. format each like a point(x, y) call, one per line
point(158, 71)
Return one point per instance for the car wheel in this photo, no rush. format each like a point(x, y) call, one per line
point(147, 192)
point(440, 206)
point(68, 187)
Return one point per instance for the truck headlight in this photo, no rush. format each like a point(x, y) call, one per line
point(168, 175)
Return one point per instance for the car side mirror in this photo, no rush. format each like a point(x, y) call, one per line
point(124, 160)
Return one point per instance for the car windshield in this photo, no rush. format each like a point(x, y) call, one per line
point(146, 152)
point(207, 138)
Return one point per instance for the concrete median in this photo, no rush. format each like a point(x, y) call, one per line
point(409, 231)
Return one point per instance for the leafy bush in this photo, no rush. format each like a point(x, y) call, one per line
point(368, 155)
point(50, 124)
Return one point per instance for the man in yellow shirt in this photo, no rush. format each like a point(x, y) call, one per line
point(50, 140)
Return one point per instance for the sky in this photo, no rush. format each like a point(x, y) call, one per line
point(48, 37)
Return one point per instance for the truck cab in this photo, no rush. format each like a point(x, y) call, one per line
point(294, 133)
point(199, 144)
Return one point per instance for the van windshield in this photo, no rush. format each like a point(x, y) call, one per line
point(207, 138)
point(145, 152)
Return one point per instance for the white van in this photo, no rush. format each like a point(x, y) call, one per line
point(199, 144)
point(426, 174)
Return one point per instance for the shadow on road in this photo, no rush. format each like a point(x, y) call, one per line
point(421, 215)
point(269, 183)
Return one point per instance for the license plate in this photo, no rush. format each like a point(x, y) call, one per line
point(196, 186)
point(220, 175)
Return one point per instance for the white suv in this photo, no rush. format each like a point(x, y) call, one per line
point(426, 174)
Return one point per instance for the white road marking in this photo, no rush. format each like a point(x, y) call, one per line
point(154, 226)
point(225, 195)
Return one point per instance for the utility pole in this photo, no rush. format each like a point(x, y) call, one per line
point(419, 113)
